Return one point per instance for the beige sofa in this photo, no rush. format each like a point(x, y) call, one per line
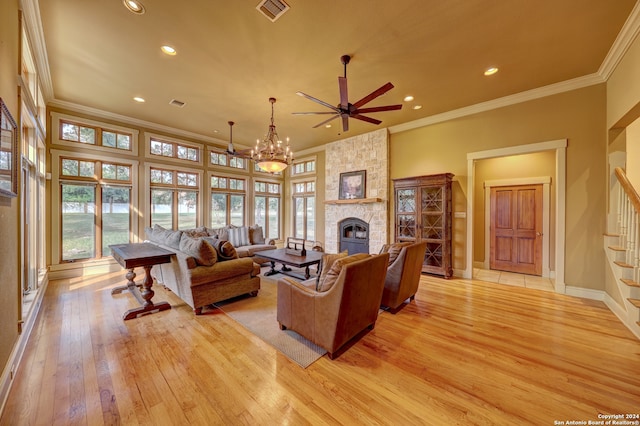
point(199, 274)
point(248, 241)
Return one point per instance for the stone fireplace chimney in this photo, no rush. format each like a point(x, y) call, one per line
point(369, 152)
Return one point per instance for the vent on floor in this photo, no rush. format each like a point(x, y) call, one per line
point(272, 9)
point(177, 103)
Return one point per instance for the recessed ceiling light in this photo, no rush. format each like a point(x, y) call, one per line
point(134, 6)
point(139, 99)
point(168, 50)
point(328, 126)
point(408, 98)
point(491, 71)
point(417, 106)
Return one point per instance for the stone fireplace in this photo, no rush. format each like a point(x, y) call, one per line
point(369, 152)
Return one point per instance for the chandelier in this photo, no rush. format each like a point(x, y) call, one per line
point(270, 154)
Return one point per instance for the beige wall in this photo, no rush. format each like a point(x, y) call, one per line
point(9, 207)
point(633, 153)
point(578, 116)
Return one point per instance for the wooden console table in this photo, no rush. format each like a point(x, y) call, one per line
point(131, 256)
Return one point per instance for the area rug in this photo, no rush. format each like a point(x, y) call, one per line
point(258, 315)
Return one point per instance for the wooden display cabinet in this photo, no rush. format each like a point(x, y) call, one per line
point(423, 213)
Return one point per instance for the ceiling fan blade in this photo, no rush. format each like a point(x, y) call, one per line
point(378, 109)
point(344, 97)
point(311, 98)
point(313, 113)
point(371, 96)
point(243, 153)
point(326, 121)
point(345, 122)
point(365, 118)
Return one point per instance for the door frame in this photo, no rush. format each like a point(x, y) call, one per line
point(545, 181)
point(560, 148)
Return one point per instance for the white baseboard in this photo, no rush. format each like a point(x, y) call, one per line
point(10, 369)
point(585, 293)
point(622, 315)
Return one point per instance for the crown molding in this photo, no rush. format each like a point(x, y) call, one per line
point(540, 92)
point(623, 41)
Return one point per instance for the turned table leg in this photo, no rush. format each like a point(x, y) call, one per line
point(147, 292)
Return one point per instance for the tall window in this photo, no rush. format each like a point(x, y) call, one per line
point(227, 201)
point(174, 198)
point(304, 204)
point(95, 207)
point(267, 207)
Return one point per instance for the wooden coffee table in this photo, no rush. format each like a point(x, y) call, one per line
point(131, 256)
point(281, 256)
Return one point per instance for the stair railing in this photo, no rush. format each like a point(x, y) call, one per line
point(628, 218)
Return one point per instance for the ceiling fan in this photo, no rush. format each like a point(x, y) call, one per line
point(243, 153)
point(345, 109)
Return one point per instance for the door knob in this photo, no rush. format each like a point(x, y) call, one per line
point(539, 234)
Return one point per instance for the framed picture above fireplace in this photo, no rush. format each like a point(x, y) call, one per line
point(353, 185)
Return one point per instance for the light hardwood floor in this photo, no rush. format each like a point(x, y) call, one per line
point(465, 352)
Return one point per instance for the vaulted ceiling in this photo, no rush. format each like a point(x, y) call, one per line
point(231, 58)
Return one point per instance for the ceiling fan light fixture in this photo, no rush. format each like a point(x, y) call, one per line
point(134, 6)
point(270, 154)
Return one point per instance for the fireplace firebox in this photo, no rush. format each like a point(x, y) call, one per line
point(353, 235)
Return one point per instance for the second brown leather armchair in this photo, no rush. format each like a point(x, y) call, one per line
point(403, 275)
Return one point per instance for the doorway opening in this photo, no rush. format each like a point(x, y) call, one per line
point(559, 148)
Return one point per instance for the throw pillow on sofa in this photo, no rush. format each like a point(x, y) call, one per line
point(239, 237)
point(226, 250)
point(197, 232)
point(166, 237)
point(199, 249)
point(332, 276)
point(219, 233)
point(256, 234)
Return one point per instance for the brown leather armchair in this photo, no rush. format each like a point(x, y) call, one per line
point(332, 318)
point(403, 275)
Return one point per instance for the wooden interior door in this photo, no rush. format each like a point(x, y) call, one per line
point(516, 229)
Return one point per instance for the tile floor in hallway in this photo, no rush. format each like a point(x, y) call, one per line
point(518, 280)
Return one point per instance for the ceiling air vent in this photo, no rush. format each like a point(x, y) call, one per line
point(272, 9)
point(177, 103)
